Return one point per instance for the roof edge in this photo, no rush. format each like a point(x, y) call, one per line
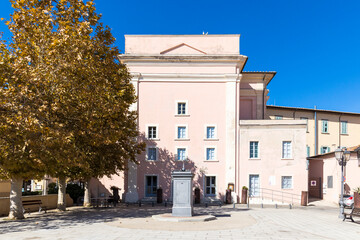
point(310, 109)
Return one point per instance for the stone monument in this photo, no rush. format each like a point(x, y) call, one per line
point(182, 195)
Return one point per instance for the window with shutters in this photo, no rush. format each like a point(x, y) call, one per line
point(254, 149)
point(324, 126)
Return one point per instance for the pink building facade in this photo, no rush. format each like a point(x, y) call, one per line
point(196, 104)
point(325, 175)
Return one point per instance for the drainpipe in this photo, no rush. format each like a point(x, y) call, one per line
point(263, 98)
point(316, 131)
point(294, 114)
point(137, 100)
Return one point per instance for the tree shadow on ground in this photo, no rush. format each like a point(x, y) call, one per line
point(87, 216)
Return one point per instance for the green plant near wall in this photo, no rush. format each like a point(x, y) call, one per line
point(357, 190)
point(31, 193)
point(75, 191)
point(52, 188)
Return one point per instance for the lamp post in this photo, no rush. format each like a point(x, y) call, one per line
point(342, 156)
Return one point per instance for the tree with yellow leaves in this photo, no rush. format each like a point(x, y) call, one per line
point(64, 94)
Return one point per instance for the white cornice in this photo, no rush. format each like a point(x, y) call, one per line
point(259, 123)
point(173, 77)
point(125, 58)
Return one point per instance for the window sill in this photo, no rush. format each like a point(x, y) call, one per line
point(344, 134)
point(211, 139)
point(211, 160)
point(153, 139)
point(148, 160)
point(287, 159)
point(254, 159)
point(182, 115)
point(182, 139)
point(325, 133)
point(287, 189)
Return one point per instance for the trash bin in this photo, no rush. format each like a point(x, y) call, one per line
point(228, 196)
point(197, 195)
point(116, 196)
point(244, 195)
point(159, 195)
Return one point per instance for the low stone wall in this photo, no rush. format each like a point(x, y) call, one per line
point(48, 201)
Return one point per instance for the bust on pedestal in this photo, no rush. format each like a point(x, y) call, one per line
point(182, 198)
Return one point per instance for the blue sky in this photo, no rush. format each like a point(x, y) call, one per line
point(312, 44)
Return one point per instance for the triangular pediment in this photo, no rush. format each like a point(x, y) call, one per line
point(182, 48)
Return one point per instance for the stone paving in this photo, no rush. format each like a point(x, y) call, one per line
point(314, 222)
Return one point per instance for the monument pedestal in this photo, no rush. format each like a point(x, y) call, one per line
point(182, 195)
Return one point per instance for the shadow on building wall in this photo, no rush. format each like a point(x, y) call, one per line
point(165, 164)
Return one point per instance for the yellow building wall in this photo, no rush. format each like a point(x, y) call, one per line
point(333, 138)
point(4, 188)
point(48, 201)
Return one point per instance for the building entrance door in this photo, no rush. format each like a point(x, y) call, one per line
point(315, 188)
point(254, 185)
point(151, 186)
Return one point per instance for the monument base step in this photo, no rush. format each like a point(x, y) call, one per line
point(167, 217)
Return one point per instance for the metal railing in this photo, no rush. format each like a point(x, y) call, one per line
point(277, 196)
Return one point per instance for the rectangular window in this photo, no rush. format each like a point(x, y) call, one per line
point(210, 153)
point(152, 133)
point(286, 149)
point(181, 132)
point(307, 151)
point(151, 154)
point(325, 126)
point(181, 154)
point(324, 150)
point(210, 186)
point(181, 108)
point(344, 127)
point(278, 117)
point(254, 149)
point(151, 186)
point(307, 121)
point(286, 182)
point(210, 132)
point(330, 181)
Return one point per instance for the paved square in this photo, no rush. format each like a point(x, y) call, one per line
point(136, 223)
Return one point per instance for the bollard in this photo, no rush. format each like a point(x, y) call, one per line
point(290, 206)
point(127, 204)
point(152, 204)
point(262, 205)
point(165, 203)
point(206, 205)
point(220, 204)
point(139, 203)
point(276, 205)
point(233, 205)
point(248, 205)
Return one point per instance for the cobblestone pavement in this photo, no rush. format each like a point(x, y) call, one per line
point(136, 223)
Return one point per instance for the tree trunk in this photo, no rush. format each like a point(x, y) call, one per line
point(87, 194)
point(61, 204)
point(45, 185)
point(16, 208)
